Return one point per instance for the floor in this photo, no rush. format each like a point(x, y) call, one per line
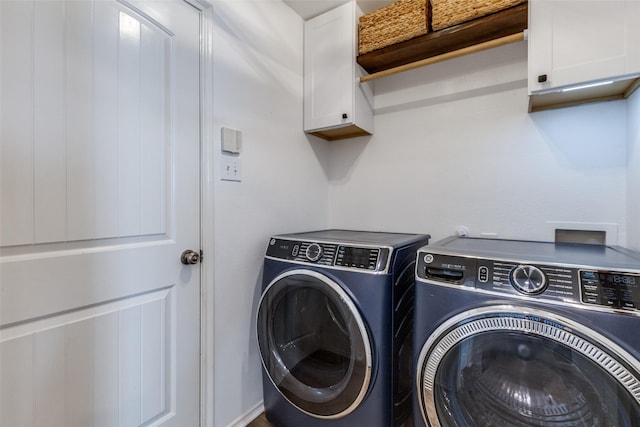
point(260, 421)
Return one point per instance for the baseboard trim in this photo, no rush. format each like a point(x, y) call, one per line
point(249, 416)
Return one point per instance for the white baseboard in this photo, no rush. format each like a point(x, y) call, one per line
point(249, 416)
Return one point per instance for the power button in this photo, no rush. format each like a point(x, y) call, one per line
point(483, 274)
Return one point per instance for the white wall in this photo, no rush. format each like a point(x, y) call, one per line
point(633, 172)
point(257, 90)
point(454, 145)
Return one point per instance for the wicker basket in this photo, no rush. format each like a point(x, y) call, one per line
point(446, 13)
point(394, 23)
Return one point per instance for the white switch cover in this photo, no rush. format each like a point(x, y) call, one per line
point(231, 141)
point(230, 168)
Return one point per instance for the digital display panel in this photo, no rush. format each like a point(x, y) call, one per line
point(619, 279)
point(349, 256)
point(358, 257)
point(611, 289)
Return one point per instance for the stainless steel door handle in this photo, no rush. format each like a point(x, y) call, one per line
point(189, 257)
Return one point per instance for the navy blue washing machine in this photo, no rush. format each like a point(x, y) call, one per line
point(334, 328)
point(521, 333)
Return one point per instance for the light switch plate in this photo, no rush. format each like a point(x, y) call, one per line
point(230, 168)
point(231, 141)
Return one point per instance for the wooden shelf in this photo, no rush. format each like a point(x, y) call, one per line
point(490, 27)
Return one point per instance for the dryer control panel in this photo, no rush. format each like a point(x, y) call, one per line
point(618, 290)
point(330, 254)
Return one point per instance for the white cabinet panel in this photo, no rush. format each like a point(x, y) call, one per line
point(574, 42)
point(328, 68)
point(335, 104)
point(632, 14)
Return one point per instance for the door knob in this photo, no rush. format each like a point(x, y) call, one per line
point(190, 257)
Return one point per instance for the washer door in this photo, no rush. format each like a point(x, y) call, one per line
point(512, 366)
point(313, 343)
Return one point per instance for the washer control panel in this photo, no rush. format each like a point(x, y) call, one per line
point(329, 254)
point(613, 289)
point(553, 282)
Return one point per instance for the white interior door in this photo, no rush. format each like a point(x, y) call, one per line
point(99, 181)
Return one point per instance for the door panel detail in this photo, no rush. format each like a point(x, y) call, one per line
point(118, 354)
point(86, 129)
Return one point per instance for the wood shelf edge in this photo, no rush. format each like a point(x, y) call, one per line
point(340, 132)
point(500, 24)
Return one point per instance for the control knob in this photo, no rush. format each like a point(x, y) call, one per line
point(314, 252)
point(528, 279)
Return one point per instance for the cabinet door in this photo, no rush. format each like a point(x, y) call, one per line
point(329, 46)
point(574, 42)
point(632, 15)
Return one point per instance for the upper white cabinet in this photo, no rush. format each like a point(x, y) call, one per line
point(574, 43)
point(336, 105)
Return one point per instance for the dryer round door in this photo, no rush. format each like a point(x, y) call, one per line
point(314, 344)
point(513, 366)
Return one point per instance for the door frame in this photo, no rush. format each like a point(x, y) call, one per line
point(207, 148)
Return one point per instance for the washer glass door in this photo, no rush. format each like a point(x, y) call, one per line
point(500, 366)
point(314, 345)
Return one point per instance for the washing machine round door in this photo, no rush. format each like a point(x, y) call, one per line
point(511, 366)
point(314, 344)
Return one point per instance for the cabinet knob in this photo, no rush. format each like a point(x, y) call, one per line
point(345, 116)
point(542, 78)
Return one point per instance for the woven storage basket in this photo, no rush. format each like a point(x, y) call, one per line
point(394, 23)
point(446, 13)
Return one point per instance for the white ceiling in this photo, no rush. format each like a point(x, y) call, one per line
point(310, 8)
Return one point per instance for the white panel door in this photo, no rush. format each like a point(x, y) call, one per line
point(99, 196)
